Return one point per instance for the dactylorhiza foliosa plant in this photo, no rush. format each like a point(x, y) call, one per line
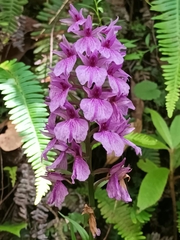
point(88, 102)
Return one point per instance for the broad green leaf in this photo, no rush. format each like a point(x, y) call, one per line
point(78, 227)
point(135, 56)
point(147, 40)
point(73, 237)
point(146, 165)
point(144, 140)
point(175, 131)
point(160, 126)
point(176, 158)
point(77, 217)
point(147, 90)
point(152, 187)
point(128, 43)
point(12, 174)
point(13, 228)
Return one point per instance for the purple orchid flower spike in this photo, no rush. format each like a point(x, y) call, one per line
point(77, 19)
point(58, 93)
point(73, 127)
point(59, 192)
point(110, 48)
point(92, 70)
point(88, 85)
point(116, 187)
point(89, 38)
point(96, 107)
point(68, 55)
point(80, 167)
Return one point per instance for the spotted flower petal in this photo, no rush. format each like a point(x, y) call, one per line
point(57, 195)
point(111, 141)
point(80, 170)
point(116, 187)
point(96, 109)
point(71, 129)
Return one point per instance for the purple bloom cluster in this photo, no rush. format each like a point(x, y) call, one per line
point(92, 67)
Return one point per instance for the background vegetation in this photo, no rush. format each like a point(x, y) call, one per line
point(29, 31)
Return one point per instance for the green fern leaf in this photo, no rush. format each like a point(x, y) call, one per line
point(144, 140)
point(10, 11)
point(141, 217)
point(168, 32)
point(24, 96)
point(118, 214)
point(12, 174)
point(48, 36)
point(152, 155)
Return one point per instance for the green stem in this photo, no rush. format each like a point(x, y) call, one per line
point(172, 190)
point(91, 177)
point(97, 12)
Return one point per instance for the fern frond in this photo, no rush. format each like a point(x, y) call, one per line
point(151, 154)
point(10, 10)
point(168, 32)
point(144, 140)
point(143, 216)
point(24, 96)
point(119, 214)
point(47, 37)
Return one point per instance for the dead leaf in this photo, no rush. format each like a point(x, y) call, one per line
point(10, 140)
point(92, 220)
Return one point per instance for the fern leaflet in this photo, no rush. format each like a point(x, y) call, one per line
point(141, 217)
point(119, 214)
point(151, 154)
point(168, 32)
point(48, 36)
point(10, 11)
point(24, 96)
point(144, 140)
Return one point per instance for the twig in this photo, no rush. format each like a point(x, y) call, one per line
point(5, 187)
point(58, 12)
point(53, 212)
point(172, 190)
point(7, 212)
point(108, 231)
point(51, 47)
point(176, 178)
point(52, 31)
point(8, 194)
